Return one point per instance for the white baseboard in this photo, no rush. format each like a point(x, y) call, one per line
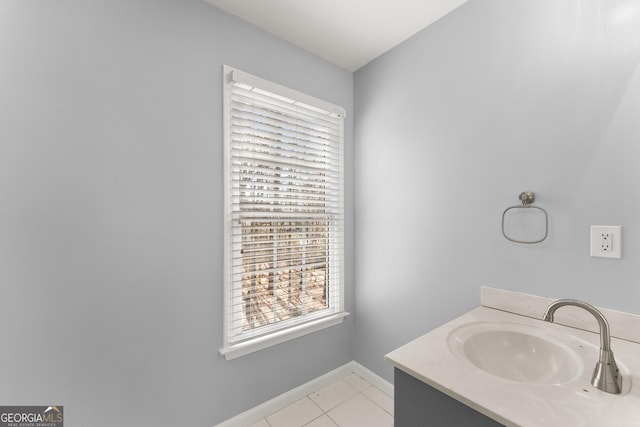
point(372, 378)
point(269, 407)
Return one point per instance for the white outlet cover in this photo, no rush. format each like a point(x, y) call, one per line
point(613, 233)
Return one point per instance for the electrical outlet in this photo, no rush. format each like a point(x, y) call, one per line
point(606, 241)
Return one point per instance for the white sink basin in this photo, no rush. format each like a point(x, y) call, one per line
point(516, 352)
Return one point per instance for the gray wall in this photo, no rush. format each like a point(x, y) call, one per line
point(494, 99)
point(111, 211)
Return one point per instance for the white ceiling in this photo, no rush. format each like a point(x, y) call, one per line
point(348, 33)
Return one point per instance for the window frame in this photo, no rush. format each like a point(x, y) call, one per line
point(284, 330)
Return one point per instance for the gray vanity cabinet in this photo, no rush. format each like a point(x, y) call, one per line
point(417, 404)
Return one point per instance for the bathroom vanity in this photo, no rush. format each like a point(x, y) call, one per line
point(501, 364)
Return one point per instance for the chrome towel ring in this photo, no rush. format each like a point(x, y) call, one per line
point(527, 198)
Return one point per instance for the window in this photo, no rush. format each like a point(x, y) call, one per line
point(284, 214)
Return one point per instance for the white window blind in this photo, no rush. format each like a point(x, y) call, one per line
point(285, 209)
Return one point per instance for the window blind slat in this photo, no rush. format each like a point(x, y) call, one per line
point(265, 233)
point(312, 195)
point(273, 160)
point(246, 130)
point(263, 137)
point(324, 129)
point(290, 213)
point(272, 177)
point(252, 143)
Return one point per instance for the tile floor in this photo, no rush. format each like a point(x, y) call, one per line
point(349, 402)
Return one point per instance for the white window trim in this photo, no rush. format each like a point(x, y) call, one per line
point(233, 351)
point(310, 323)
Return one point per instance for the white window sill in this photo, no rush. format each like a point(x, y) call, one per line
point(233, 351)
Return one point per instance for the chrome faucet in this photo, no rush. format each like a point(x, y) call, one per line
point(606, 376)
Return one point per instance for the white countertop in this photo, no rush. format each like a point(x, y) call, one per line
point(512, 403)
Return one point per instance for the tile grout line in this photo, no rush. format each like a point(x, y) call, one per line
point(374, 402)
point(367, 397)
point(358, 392)
point(326, 413)
point(349, 399)
point(318, 406)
